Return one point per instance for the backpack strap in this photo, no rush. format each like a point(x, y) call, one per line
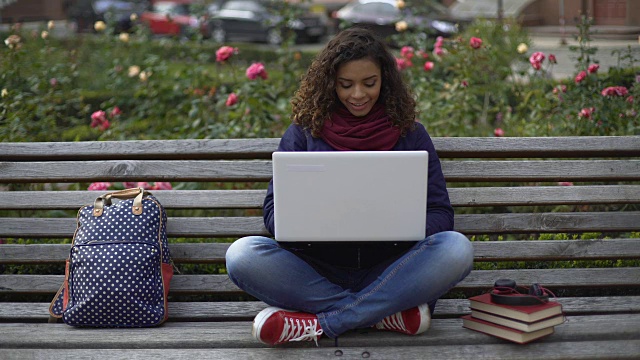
point(105, 200)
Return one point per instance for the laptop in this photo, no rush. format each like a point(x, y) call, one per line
point(350, 195)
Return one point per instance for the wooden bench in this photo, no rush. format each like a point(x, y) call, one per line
point(507, 200)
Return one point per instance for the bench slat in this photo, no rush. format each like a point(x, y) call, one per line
point(241, 226)
point(260, 170)
point(547, 222)
point(577, 350)
point(170, 199)
point(473, 147)
point(253, 199)
point(140, 149)
point(534, 250)
point(478, 279)
point(247, 310)
point(531, 147)
point(238, 334)
point(562, 170)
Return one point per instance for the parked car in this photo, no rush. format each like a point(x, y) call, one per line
point(116, 12)
point(175, 17)
point(381, 16)
point(256, 20)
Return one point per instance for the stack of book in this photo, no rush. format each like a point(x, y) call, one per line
point(520, 324)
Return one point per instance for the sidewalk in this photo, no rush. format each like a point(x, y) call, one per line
point(549, 41)
point(597, 32)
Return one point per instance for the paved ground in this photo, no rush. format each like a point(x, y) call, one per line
point(567, 59)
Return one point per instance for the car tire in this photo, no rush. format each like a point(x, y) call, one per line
point(219, 35)
point(274, 37)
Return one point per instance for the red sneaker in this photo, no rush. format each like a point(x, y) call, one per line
point(275, 326)
point(413, 321)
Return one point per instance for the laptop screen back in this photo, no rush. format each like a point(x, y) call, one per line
point(350, 195)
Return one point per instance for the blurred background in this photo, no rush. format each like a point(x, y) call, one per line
point(622, 17)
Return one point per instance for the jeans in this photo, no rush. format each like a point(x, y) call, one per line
point(260, 267)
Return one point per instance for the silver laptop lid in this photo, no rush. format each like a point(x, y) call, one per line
point(350, 195)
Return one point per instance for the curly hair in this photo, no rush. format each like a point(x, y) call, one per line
point(316, 98)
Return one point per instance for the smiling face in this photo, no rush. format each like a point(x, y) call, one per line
point(358, 84)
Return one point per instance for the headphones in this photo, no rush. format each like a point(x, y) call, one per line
point(505, 292)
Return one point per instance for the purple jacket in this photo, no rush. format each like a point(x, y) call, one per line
point(359, 254)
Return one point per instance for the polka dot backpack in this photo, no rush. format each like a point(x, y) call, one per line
point(119, 267)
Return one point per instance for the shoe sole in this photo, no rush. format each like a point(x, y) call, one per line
point(260, 319)
point(424, 313)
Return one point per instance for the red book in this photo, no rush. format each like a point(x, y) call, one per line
point(517, 324)
point(503, 332)
point(527, 313)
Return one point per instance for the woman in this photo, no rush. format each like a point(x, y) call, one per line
point(352, 98)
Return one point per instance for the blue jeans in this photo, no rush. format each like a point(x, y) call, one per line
point(259, 266)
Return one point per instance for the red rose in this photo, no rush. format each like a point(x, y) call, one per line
point(615, 91)
point(581, 76)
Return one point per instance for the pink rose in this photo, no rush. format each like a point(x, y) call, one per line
point(586, 113)
point(422, 54)
point(143, 184)
point(163, 186)
point(536, 60)
point(560, 88)
point(98, 118)
point(552, 59)
point(255, 70)
point(439, 41)
point(53, 82)
point(100, 186)
point(407, 52)
point(581, 76)
point(115, 111)
point(593, 68)
point(565, 183)
point(232, 99)
point(403, 63)
point(498, 132)
point(224, 53)
point(428, 66)
point(129, 184)
point(615, 91)
point(438, 51)
point(630, 99)
point(464, 83)
point(537, 57)
point(475, 42)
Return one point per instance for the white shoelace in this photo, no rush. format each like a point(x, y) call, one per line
point(393, 322)
point(299, 330)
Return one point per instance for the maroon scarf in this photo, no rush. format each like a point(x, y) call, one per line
point(371, 132)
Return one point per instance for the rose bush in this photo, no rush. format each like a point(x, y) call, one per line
point(485, 79)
